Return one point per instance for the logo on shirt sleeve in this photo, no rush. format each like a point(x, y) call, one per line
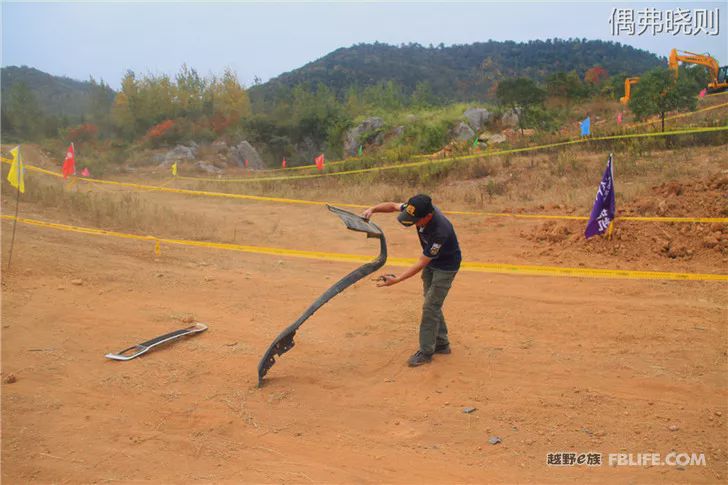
point(435, 249)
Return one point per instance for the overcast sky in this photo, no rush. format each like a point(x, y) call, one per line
point(82, 39)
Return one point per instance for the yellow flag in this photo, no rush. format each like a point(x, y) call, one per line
point(174, 169)
point(15, 177)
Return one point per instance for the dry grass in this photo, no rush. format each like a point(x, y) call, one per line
point(101, 208)
point(559, 180)
point(564, 177)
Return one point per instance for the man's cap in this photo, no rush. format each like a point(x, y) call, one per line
point(415, 209)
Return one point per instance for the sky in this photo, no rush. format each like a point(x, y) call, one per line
point(263, 40)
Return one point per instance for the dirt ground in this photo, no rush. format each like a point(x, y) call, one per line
point(551, 364)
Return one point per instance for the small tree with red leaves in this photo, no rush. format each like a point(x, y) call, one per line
point(595, 76)
point(82, 133)
point(161, 133)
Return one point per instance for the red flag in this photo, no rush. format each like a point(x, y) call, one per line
point(702, 93)
point(85, 172)
point(246, 163)
point(320, 162)
point(619, 118)
point(283, 163)
point(69, 164)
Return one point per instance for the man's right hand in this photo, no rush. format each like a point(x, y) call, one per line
point(367, 214)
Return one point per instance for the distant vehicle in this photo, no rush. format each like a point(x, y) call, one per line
point(718, 81)
point(718, 74)
point(628, 83)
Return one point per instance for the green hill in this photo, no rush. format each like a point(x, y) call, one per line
point(54, 95)
point(459, 72)
point(36, 104)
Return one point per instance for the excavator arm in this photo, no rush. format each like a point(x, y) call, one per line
point(717, 73)
point(628, 83)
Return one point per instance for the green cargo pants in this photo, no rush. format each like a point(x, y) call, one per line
point(433, 330)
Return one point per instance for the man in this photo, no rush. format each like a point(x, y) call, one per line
point(439, 263)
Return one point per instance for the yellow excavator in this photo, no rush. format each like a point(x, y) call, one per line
point(718, 74)
point(718, 81)
point(628, 83)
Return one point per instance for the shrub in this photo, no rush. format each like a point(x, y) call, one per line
point(82, 133)
point(161, 133)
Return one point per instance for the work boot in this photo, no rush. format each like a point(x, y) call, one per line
point(419, 358)
point(442, 349)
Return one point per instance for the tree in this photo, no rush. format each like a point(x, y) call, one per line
point(422, 95)
point(659, 92)
point(698, 75)
point(566, 85)
point(383, 95)
point(490, 70)
point(613, 87)
point(122, 117)
point(520, 93)
point(354, 104)
point(315, 117)
point(101, 100)
point(22, 112)
point(230, 102)
point(123, 114)
point(194, 104)
point(595, 75)
point(156, 101)
point(190, 91)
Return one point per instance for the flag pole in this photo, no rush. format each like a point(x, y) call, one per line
point(15, 223)
point(611, 172)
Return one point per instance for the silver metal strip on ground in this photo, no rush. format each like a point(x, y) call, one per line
point(144, 347)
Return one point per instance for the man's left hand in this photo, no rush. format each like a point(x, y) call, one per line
point(386, 280)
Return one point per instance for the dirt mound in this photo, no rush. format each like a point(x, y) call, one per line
point(552, 232)
point(635, 240)
point(701, 198)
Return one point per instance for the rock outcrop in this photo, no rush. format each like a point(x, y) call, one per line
point(462, 132)
point(477, 117)
point(368, 131)
point(245, 151)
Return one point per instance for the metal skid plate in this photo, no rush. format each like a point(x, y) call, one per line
point(144, 347)
point(284, 342)
point(355, 222)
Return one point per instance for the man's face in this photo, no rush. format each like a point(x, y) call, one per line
point(423, 222)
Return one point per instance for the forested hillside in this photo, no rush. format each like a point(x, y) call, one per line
point(459, 72)
point(413, 96)
point(56, 95)
point(35, 103)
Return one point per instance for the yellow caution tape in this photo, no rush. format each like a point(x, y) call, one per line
point(682, 115)
point(350, 160)
point(471, 156)
point(447, 160)
point(401, 262)
point(339, 162)
point(156, 188)
point(282, 200)
point(585, 218)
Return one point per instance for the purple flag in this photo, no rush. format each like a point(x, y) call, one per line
point(602, 213)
